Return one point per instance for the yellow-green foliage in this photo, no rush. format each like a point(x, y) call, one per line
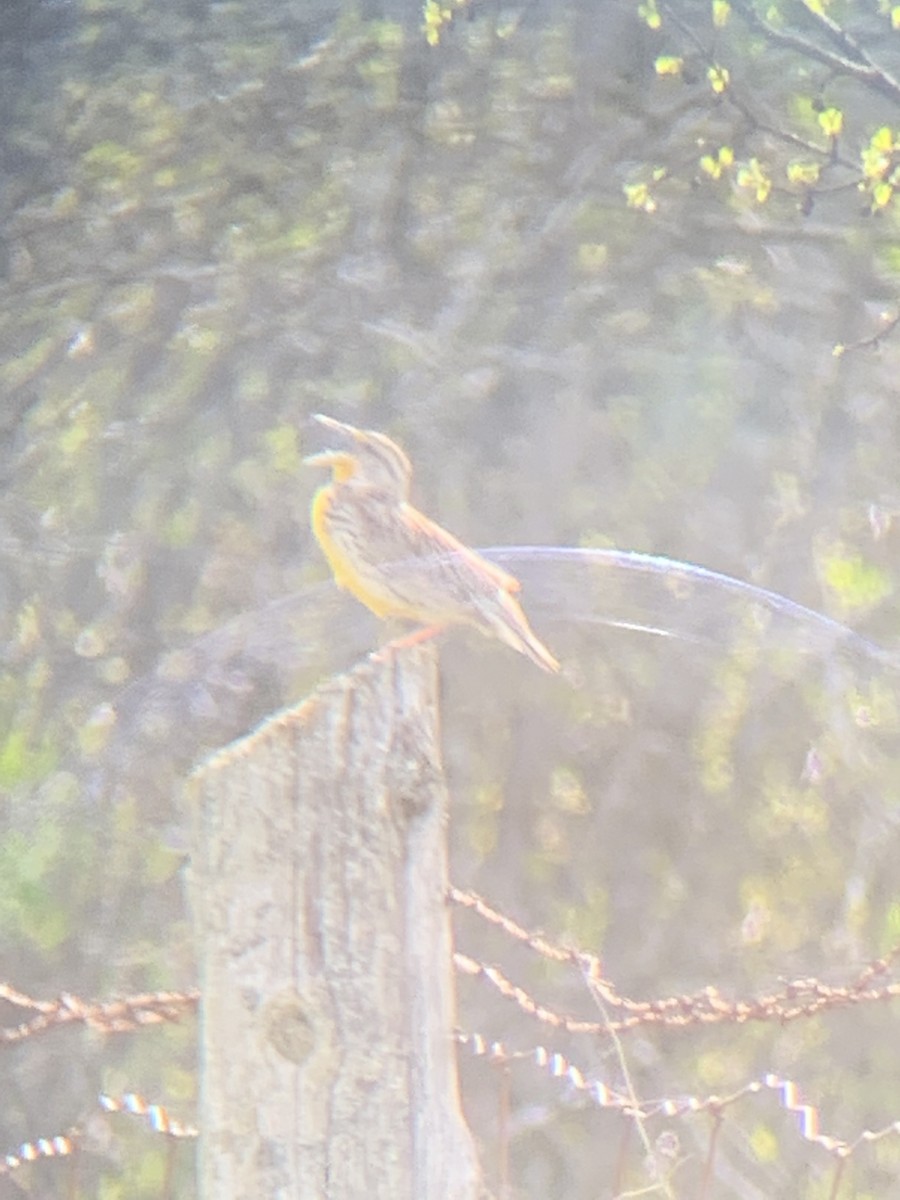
point(853, 582)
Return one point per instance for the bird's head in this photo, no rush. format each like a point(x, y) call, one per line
point(365, 457)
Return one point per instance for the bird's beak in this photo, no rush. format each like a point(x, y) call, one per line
point(346, 431)
point(342, 462)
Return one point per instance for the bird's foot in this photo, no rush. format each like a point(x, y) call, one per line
point(409, 639)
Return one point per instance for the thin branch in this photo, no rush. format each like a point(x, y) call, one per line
point(873, 341)
point(865, 71)
point(761, 125)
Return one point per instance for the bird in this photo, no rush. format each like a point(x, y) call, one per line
point(399, 563)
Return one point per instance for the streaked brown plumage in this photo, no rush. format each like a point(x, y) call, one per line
point(395, 560)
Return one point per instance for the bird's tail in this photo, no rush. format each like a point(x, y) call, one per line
point(510, 625)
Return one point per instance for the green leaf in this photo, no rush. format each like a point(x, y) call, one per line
point(806, 173)
point(21, 761)
point(719, 78)
point(855, 583)
point(649, 13)
point(831, 121)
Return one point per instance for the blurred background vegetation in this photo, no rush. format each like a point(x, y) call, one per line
point(590, 262)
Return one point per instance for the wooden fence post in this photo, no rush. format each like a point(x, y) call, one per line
point(318, 887)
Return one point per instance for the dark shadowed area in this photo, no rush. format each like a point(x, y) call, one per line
point(524, 253)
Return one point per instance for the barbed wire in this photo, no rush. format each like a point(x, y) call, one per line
point(804, 997)
point(157, 1115)
point(63, 1145)
point(111, 1016)
point(796, 998)
point(788, 1091)
point(555, 1064)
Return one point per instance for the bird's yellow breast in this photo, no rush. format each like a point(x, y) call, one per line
point(340, 565)
point(344, 567)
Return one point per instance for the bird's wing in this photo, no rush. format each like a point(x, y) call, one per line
point(431, 538)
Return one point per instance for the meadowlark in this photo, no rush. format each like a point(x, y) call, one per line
point(399, 563)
